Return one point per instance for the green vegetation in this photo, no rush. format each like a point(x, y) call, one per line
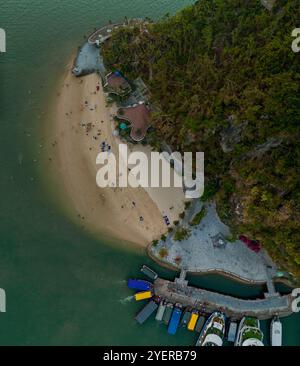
point(210, 189)
point(154, 243)
point(227, 83)
point(181, 234)
point(114, 98)
point(163, 237)
point(163, 252)
point(198, 217)
point(182, 214)
point(231, 238)
point(118, 94)
point(187, 204)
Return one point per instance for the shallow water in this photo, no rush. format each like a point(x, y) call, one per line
point(63, 286)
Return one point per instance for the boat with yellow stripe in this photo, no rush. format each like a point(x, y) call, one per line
point(193, 321)
point(143, 295)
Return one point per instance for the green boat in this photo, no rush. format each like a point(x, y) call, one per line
point(168, 313)
point(249, 333)
point(185, 319)
point(200, 324)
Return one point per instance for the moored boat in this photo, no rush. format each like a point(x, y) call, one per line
point(276, 332)
point(193, 320)
point(232, 332)
point(168, 313)
point(200, 323)
point(160, 311)
point(149, 272)
point(185, 318)
point(249, 333)
point(139, 285)
point(146, 312)
point(212, 334)
point(143, 295)
point(175, 319)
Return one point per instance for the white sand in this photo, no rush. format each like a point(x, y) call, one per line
point(73, 161)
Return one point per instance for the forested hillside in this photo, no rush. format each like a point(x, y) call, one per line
point(227, 83)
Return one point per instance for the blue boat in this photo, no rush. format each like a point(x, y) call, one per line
point(139, 285)
point(175, 320)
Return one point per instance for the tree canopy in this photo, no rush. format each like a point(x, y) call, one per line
point(227, 83)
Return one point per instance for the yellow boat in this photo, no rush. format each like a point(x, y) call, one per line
point(143, 295)
point(193, 321)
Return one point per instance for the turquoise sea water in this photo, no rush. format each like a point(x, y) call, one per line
point(64, 287)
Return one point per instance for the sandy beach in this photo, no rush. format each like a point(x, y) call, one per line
point(81, 122)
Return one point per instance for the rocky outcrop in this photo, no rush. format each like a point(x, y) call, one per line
point(231, 136)
point(260, 150)
point(268, 4)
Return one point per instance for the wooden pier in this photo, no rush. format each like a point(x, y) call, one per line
point(234, 308)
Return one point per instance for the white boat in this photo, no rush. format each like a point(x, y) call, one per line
point(276, 332)
point(232, 332)
point(160, 311)
point(249, 333)
point(213, 331)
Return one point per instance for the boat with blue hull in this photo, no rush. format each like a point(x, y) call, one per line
point(175, 320)
point(139, 285)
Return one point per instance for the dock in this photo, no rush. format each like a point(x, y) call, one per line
point(104, 33)
point(180, 292)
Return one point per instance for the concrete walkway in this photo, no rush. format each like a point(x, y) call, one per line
point(104, 33)
point(232, 307)
point(198, 254)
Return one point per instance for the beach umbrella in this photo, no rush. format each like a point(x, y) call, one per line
point(123, 126)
